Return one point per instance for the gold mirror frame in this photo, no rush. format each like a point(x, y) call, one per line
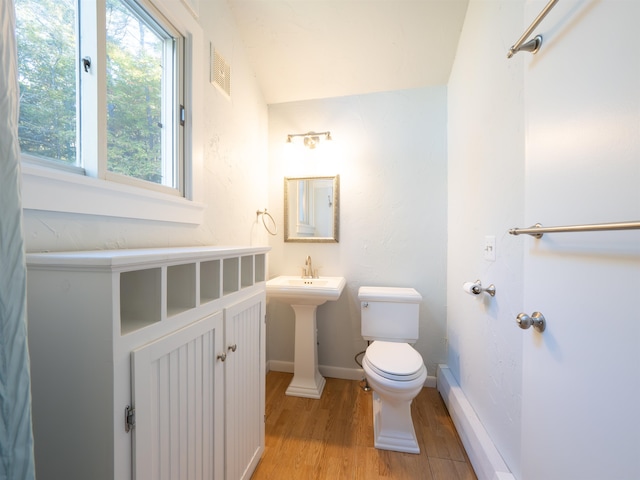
point(291, 236)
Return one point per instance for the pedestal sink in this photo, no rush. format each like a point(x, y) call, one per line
point(304, 295)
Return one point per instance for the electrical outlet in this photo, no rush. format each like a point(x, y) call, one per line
point(490, 248)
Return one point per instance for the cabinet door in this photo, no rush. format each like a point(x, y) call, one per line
point(177, 384)
point(244, 386)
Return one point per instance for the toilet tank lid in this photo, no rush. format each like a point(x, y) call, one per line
point(388, 294)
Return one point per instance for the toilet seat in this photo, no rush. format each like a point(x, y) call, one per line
point(394, 360)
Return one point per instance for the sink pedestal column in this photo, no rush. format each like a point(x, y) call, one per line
point(307, 381)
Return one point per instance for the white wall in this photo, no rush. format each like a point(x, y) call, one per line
point(551, 138)
point(390, 152)
point(231, 158)
point(581, 378)
point(486, 197)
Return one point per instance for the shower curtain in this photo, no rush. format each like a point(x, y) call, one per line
point(16, 438)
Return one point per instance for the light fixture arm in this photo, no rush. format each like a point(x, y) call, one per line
point(311, 139)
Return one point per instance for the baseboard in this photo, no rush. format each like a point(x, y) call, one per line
point(333, 372)
point(483, 454)
point(340, 372)
point(279, 366)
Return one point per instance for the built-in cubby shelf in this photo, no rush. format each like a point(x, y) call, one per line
point(261, 267)
point(104, 325)
point(157, 285)
point(246, 271)
point(140, 299)
point(181, 288)
point(210, 281)
point(230, 275)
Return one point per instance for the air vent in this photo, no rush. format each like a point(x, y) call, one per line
point(220, 72)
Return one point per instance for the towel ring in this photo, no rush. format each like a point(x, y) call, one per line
point(264, 213)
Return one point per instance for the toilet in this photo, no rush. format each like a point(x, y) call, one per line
point(395, 371)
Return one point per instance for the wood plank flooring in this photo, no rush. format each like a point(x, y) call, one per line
point(332, 438)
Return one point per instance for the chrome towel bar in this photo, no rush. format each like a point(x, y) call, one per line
point(533, 45)
point(537, 230)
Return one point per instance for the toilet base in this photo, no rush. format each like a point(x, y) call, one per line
point(393, 426)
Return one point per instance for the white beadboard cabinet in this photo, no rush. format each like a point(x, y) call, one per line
point(176, 334)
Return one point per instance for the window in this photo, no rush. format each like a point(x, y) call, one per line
point(102, 90)
point(46, 33)
point(305, 208)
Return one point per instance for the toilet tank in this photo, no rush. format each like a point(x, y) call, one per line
point(389, 313)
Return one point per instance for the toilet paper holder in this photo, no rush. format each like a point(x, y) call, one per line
point(476, 288)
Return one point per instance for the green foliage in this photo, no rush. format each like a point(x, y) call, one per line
point(47, 71)
point(48, 66)
point(134, 85)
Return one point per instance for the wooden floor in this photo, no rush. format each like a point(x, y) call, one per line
point(332, 438)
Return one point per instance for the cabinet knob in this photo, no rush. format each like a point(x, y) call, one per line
point(222, 356)
point(233, 347)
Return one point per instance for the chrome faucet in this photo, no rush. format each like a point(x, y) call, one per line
point(308, 269)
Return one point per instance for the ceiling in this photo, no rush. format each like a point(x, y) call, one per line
point(308, 49)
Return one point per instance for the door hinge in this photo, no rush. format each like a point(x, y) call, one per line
point(129, 418)
point(182, 115)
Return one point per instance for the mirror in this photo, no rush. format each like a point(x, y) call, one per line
point(311, 209)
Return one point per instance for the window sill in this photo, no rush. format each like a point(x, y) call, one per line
point(59, 191)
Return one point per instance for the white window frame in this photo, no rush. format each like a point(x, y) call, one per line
point(50, 188)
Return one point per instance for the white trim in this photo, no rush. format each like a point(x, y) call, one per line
point(136, 182)
point(333, 372)
point(59, 191)
point(193, 7)
point(279, 366)
point(483, 454)
point(340, 372)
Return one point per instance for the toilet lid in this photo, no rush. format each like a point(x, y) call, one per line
point(394, 360)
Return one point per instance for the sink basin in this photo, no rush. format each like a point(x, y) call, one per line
point(304, 295)
point(305, 291)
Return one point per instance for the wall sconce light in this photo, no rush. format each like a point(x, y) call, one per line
point(311, 139)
